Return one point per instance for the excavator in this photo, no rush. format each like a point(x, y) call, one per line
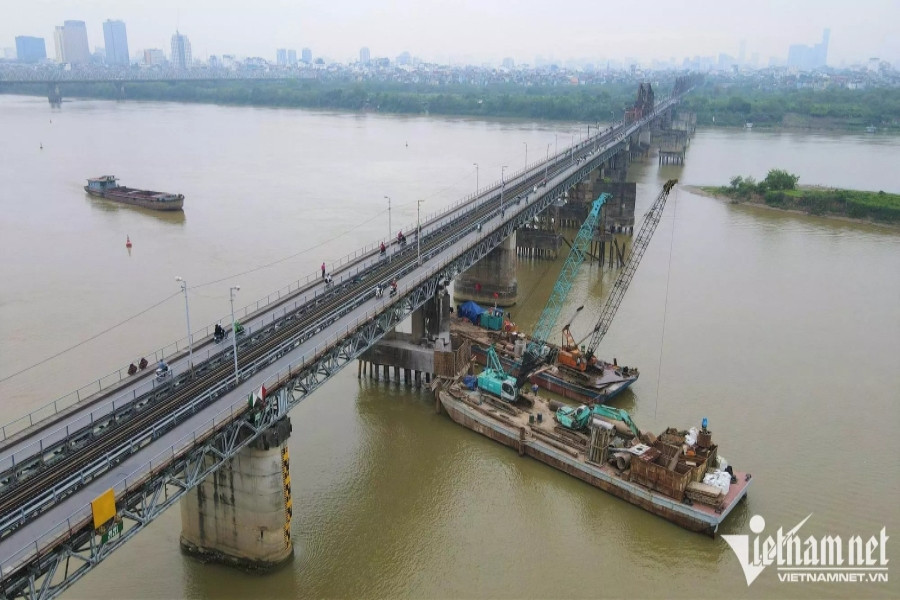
point(496, 381)
point(572, 355)
point(579, 418)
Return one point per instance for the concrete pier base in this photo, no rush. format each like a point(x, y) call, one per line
point(493, 274)
point(241, 514)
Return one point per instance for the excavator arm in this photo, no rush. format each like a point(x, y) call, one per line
point(616, 414)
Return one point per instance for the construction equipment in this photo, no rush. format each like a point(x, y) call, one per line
point(616, 414)
point(641, 241)
point(496, 381)
point(579, 418)
point(537, 351)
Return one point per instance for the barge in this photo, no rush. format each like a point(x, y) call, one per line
point(108, 187)
point(599, 383)
point(662, 477)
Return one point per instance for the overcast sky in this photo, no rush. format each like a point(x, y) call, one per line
point(479, 30)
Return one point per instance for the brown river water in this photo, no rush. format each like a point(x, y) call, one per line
point(782, 329)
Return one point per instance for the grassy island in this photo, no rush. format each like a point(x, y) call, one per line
point(779, 190)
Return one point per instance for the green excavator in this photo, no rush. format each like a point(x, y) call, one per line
point(579, 418)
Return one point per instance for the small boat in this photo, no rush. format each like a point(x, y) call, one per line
point(107, 187)
point(748, 125)
point(870, 129)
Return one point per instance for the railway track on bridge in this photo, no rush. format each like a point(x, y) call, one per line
point(100, 448)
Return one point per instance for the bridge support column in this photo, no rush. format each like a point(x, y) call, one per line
point(241, 514)
point(493, 274)
point(54, 95)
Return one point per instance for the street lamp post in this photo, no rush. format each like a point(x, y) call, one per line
point(234, 332)
point(526, 154)
point(476, 178)
point(502, 187)
point(419, 231)
point(390, 230)
point(556, 143)
point(547, 163)
point(187, 316)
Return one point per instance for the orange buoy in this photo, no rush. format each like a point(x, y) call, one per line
point(127, 242)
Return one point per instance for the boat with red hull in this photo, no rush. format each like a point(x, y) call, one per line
point(108, 187)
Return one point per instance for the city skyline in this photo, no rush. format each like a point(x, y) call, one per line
point(493, 32)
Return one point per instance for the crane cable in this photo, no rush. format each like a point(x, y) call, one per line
point(665, 306)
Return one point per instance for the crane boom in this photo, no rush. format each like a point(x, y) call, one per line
point(534, 352)
point(651, 220)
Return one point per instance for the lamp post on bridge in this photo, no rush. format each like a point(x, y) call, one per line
point(234, 332)
point(556, 143)
point(476, 178)
point(547, 163)
point(419, 231)
point(502, 187)
point(526, 155)
point(187, 316)
point(390, 230)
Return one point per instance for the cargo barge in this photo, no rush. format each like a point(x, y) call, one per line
point(663, 477)
point(107, 187)
point(597, 385)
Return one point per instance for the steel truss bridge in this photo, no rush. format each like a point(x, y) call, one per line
point(152, 443)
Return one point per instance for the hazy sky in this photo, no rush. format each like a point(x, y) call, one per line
point(478, 30)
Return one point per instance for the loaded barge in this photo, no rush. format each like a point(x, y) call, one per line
point(107, 187)
point(673, 476)
point(599, 383)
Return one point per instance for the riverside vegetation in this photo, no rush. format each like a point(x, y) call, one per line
point(832, 108)
point(779, 190)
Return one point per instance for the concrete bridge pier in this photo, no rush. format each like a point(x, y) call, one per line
point(492, 279)
point(240, 515)
point(54, 95)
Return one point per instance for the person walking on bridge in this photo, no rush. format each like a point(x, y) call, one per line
point(323, 270)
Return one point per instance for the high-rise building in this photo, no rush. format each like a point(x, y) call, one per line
point(30, 49)
point(116, 42)
point(59, 43)
point(281, 57)
point(75, 43)
point(509, 63)
point(292, 57)
point(154, 56)
point(364, 56)
point(306, 55)
point(403, 58)
point(181, 51)
point(809, 57)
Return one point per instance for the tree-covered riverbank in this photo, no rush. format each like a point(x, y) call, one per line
point(715, 104)
point(779, 190)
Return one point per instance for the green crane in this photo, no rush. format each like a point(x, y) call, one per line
point(537, 352)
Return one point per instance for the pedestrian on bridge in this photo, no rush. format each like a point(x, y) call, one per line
point(323, 270)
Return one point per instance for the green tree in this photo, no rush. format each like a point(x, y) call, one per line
point(779, 179)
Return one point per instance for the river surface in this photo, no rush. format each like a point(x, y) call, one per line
point(782, 329)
